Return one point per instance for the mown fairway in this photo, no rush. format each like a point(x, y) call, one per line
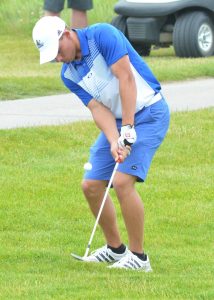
point(44, 216)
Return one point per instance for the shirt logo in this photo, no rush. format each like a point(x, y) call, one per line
point(39, 44)
point(134, 168)
point(89, 75)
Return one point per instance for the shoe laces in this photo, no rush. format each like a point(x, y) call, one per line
point(127, 258)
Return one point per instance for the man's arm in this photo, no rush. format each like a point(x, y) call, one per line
point(128, 91)
point(106, 122)
point(128, 94)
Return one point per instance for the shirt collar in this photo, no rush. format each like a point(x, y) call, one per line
point(81, 33)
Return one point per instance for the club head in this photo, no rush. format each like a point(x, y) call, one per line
point(78, 257)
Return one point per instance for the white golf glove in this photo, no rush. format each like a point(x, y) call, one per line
point(128, 136)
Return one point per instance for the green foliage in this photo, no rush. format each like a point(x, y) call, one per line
point(19, 17)
point(44, 216)
point(24, 77)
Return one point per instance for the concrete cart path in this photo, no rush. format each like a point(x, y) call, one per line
point(66, 108)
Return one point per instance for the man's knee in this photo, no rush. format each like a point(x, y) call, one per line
point(123, 183)
point(120, 184)
point(91, 187)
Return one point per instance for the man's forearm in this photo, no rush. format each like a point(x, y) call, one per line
point(128, 90)
point(104, 120)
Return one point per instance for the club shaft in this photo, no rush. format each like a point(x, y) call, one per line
point(101, 209)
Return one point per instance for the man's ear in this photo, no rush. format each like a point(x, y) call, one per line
point(66, 33)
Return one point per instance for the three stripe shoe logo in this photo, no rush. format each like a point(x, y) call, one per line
point(104, 257)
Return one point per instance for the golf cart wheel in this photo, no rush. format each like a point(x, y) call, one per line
point(142, 49)
point(120, 23)
point(193, 35)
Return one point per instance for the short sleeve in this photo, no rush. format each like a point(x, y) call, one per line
point(77, 90)
point(111, 43)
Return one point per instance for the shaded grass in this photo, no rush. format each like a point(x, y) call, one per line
point(25, 77)
point(44, 216)
point(167, 67)
point(18, 88)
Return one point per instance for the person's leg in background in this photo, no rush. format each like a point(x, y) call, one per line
point(53, 7)
point(78, 10)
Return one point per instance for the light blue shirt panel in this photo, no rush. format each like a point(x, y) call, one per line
point(91, 78)
point(93, 73)
point(77, 90)
point(113, 45)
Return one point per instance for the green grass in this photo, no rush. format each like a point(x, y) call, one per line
point(167, 67)
point(44, 216)
point(18, 17)
point(21, 76)
point(25, 77)
point(43, 213)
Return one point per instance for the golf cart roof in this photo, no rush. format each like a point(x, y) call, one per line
point(156, 8)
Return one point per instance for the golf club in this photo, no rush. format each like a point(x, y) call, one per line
point(98, 216)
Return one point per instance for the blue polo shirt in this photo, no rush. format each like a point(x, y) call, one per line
point(102, 45)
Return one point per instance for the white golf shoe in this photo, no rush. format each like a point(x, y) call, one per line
point(132, 262)
point(105, 254)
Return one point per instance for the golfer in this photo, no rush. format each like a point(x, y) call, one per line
point(101, 67)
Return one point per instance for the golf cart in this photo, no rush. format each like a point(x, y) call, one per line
point(188, 25)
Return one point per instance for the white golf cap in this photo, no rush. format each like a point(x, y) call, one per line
point(46, 34)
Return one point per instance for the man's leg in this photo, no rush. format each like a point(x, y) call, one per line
point(51, 13)
point(94, 191)
point(79, 12)
point(132, 209)
point(53, 7)
point(79, 19)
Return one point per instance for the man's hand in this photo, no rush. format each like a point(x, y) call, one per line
point(119, 153)
point(128, 136)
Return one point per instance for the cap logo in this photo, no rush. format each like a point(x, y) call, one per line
point(39, 44)
point(59, 32)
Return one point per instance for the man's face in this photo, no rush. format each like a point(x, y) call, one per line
point(67, 49)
